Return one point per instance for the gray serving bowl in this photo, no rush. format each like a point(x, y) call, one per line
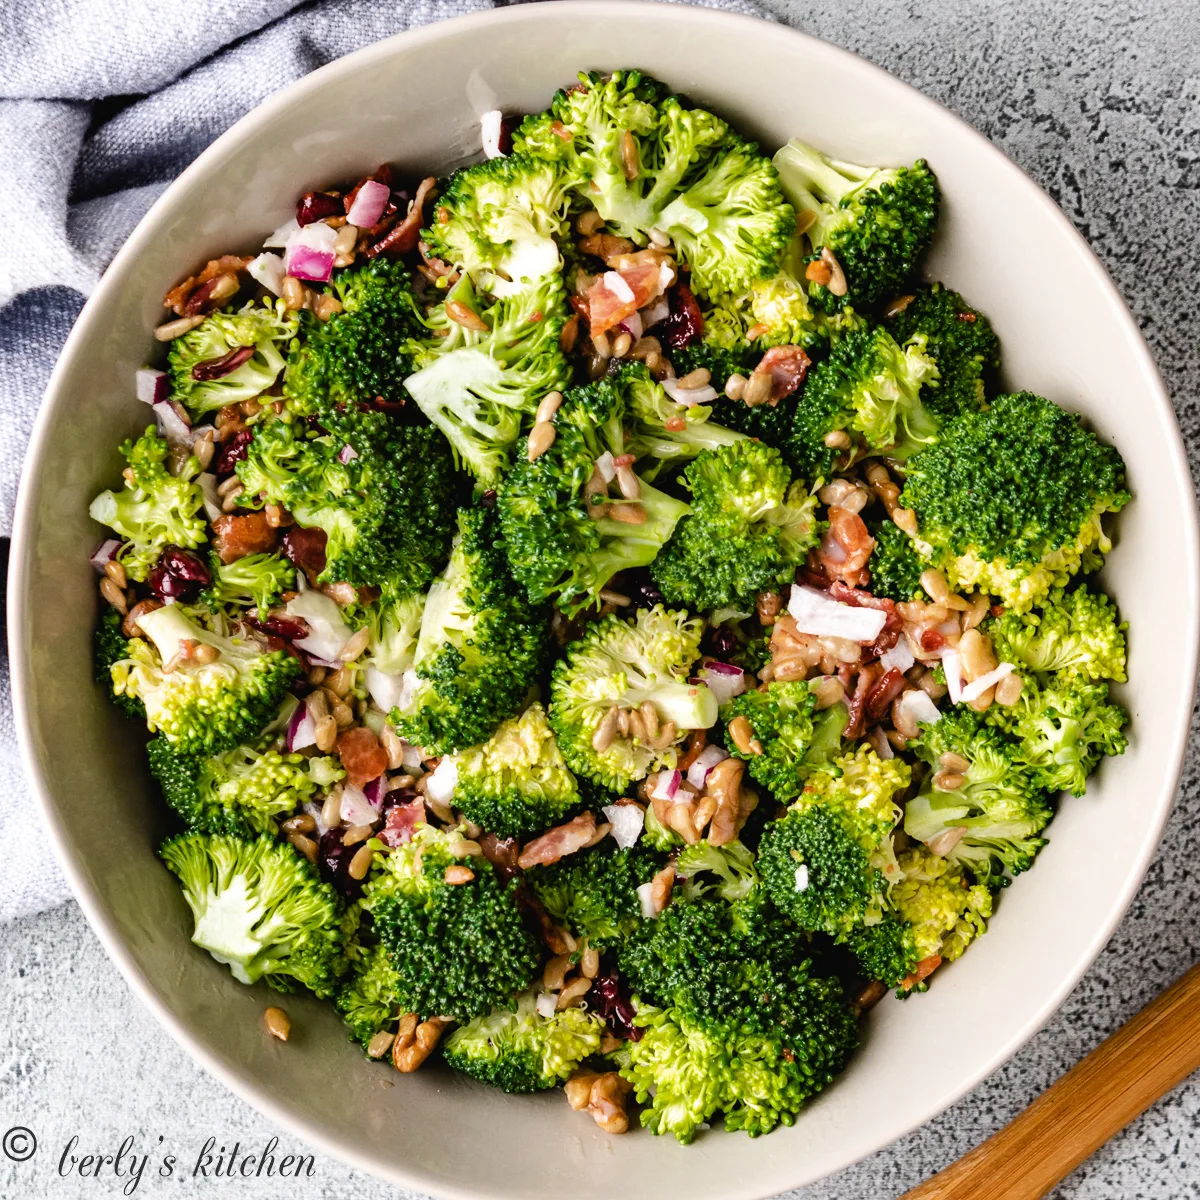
point(414, 100)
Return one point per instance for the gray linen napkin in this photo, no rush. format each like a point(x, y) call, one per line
point(102, 104)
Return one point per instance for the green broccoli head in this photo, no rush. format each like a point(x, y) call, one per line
point(895, 565)
point(872, 388)
point(781, 722)
point(727, 870)
point(484, 370)
point(260, 909)
point(829, 862)
point(359, 355)
point(367, 998)
point(594, 892)
point(1076, 632)
point(241, 791)
point(110, 646)
point(999, 807)
point(619, 664)
point(749, 529)
point(521, 1050)
point(516, 784)
point(480, 647)
point(154, 509)
point(877, 222)
point(384, 494)
point(394, 623)
point(256, 581)
point(1063, 729)
point(562, 534)
point(960, 341)
point(459, 950)
point(202, 707)
point(257, 335)
point(1010, 500)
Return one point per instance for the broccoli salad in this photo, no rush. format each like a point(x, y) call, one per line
point(599, 619)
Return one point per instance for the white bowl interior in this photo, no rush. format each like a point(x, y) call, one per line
point(413, 101)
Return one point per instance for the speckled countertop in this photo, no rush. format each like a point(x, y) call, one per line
point(1099, 100)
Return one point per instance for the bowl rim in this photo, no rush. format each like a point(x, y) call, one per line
point(24, 520)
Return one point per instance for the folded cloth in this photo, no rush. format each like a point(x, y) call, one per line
point(102, 104)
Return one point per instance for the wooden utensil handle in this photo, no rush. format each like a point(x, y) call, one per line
point(1121, 1078)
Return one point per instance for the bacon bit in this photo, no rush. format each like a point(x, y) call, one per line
point(501, 853)
point(316, 206)
point(685, 324)
point(570, 332)
point(403, 238)
point(787, 367)
point(401, 821)
point(558, 842)
point(227, 264)
point(305, 548)
point(218, 368)
point(858, 702)
point(237, 536)
point(889, 685)
point(931, 640)
point(845, 546)
point(561, 131)
point(362, 756)
point(606, 310)
point(925, 968)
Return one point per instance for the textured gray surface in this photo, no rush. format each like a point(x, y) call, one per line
point(1099, 103)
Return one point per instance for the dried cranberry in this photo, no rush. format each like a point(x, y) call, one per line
point(305, 548)
point(609, 1000)
point(178, 575)
point(218, 368)
point(316, 206)
point(685, 323)
point(280, 627)
point(641, 589)
point(488, 499)
point(721, 643)
point(233, 452)
point(504, 142)
point(333, 862)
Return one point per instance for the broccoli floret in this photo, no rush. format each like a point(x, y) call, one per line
point(483, 370)
point(749, 1026)
point(749, 529)
point(480, 648)
point(895, 566)
point(560, 530)
point(710, 191)
point(619, 664)
point(516, 783)
point(1063, 729)
point(154, 509)
point(960, 341)
point(934, 912)
point(829, 862)
point(260, 909)
point(1077, 632)
point(1010, 500)
point(256, 581)
point(594, 892)
point(192, 360)
point(781, 724)
point(871, 387)
point(240, 791)
point(459, 950)
point(202, 707)
point(358, 356)
point(367, 998)
point(999, 806)
point(876, 221)
point(499, 221)
point(523, 1051)
point(384, 494)
point(111, 646)
point(733, 874)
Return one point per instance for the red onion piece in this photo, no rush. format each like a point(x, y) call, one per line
point(705, 761)
point(152, 385)
point(104, 553)
point(347, 454)
point(218, 368)
point(172, 422)
point(724, 681)
point(632, 325)
point(310, 254)
point(666, 785)
point(355, 809)
point(375, 791)
point(302, 729)
point(369, 204)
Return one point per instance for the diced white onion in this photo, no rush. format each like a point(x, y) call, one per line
point(666, 785)
point(920, 707)
point(356, 808)
point(646, 900)
point(606, 467)
point(388, 691)
point(280, 237)
point(212, 501)
point(899, 656)
point(632, 325)
point(173, 423)
point(818, 615)
point(327, 632)
point(660, 310)
point(689, 396)
point(880, 744)
point(626, 821)
point(666, 276)
point(616, 283)
point(546, 1004)
point(724, 681)
point(953, 671)
point(802, 878)
point(267, 269)
point(708, 758)
point(443, 779)
point(976, 689)
point(411, 755)
point(490, 125)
